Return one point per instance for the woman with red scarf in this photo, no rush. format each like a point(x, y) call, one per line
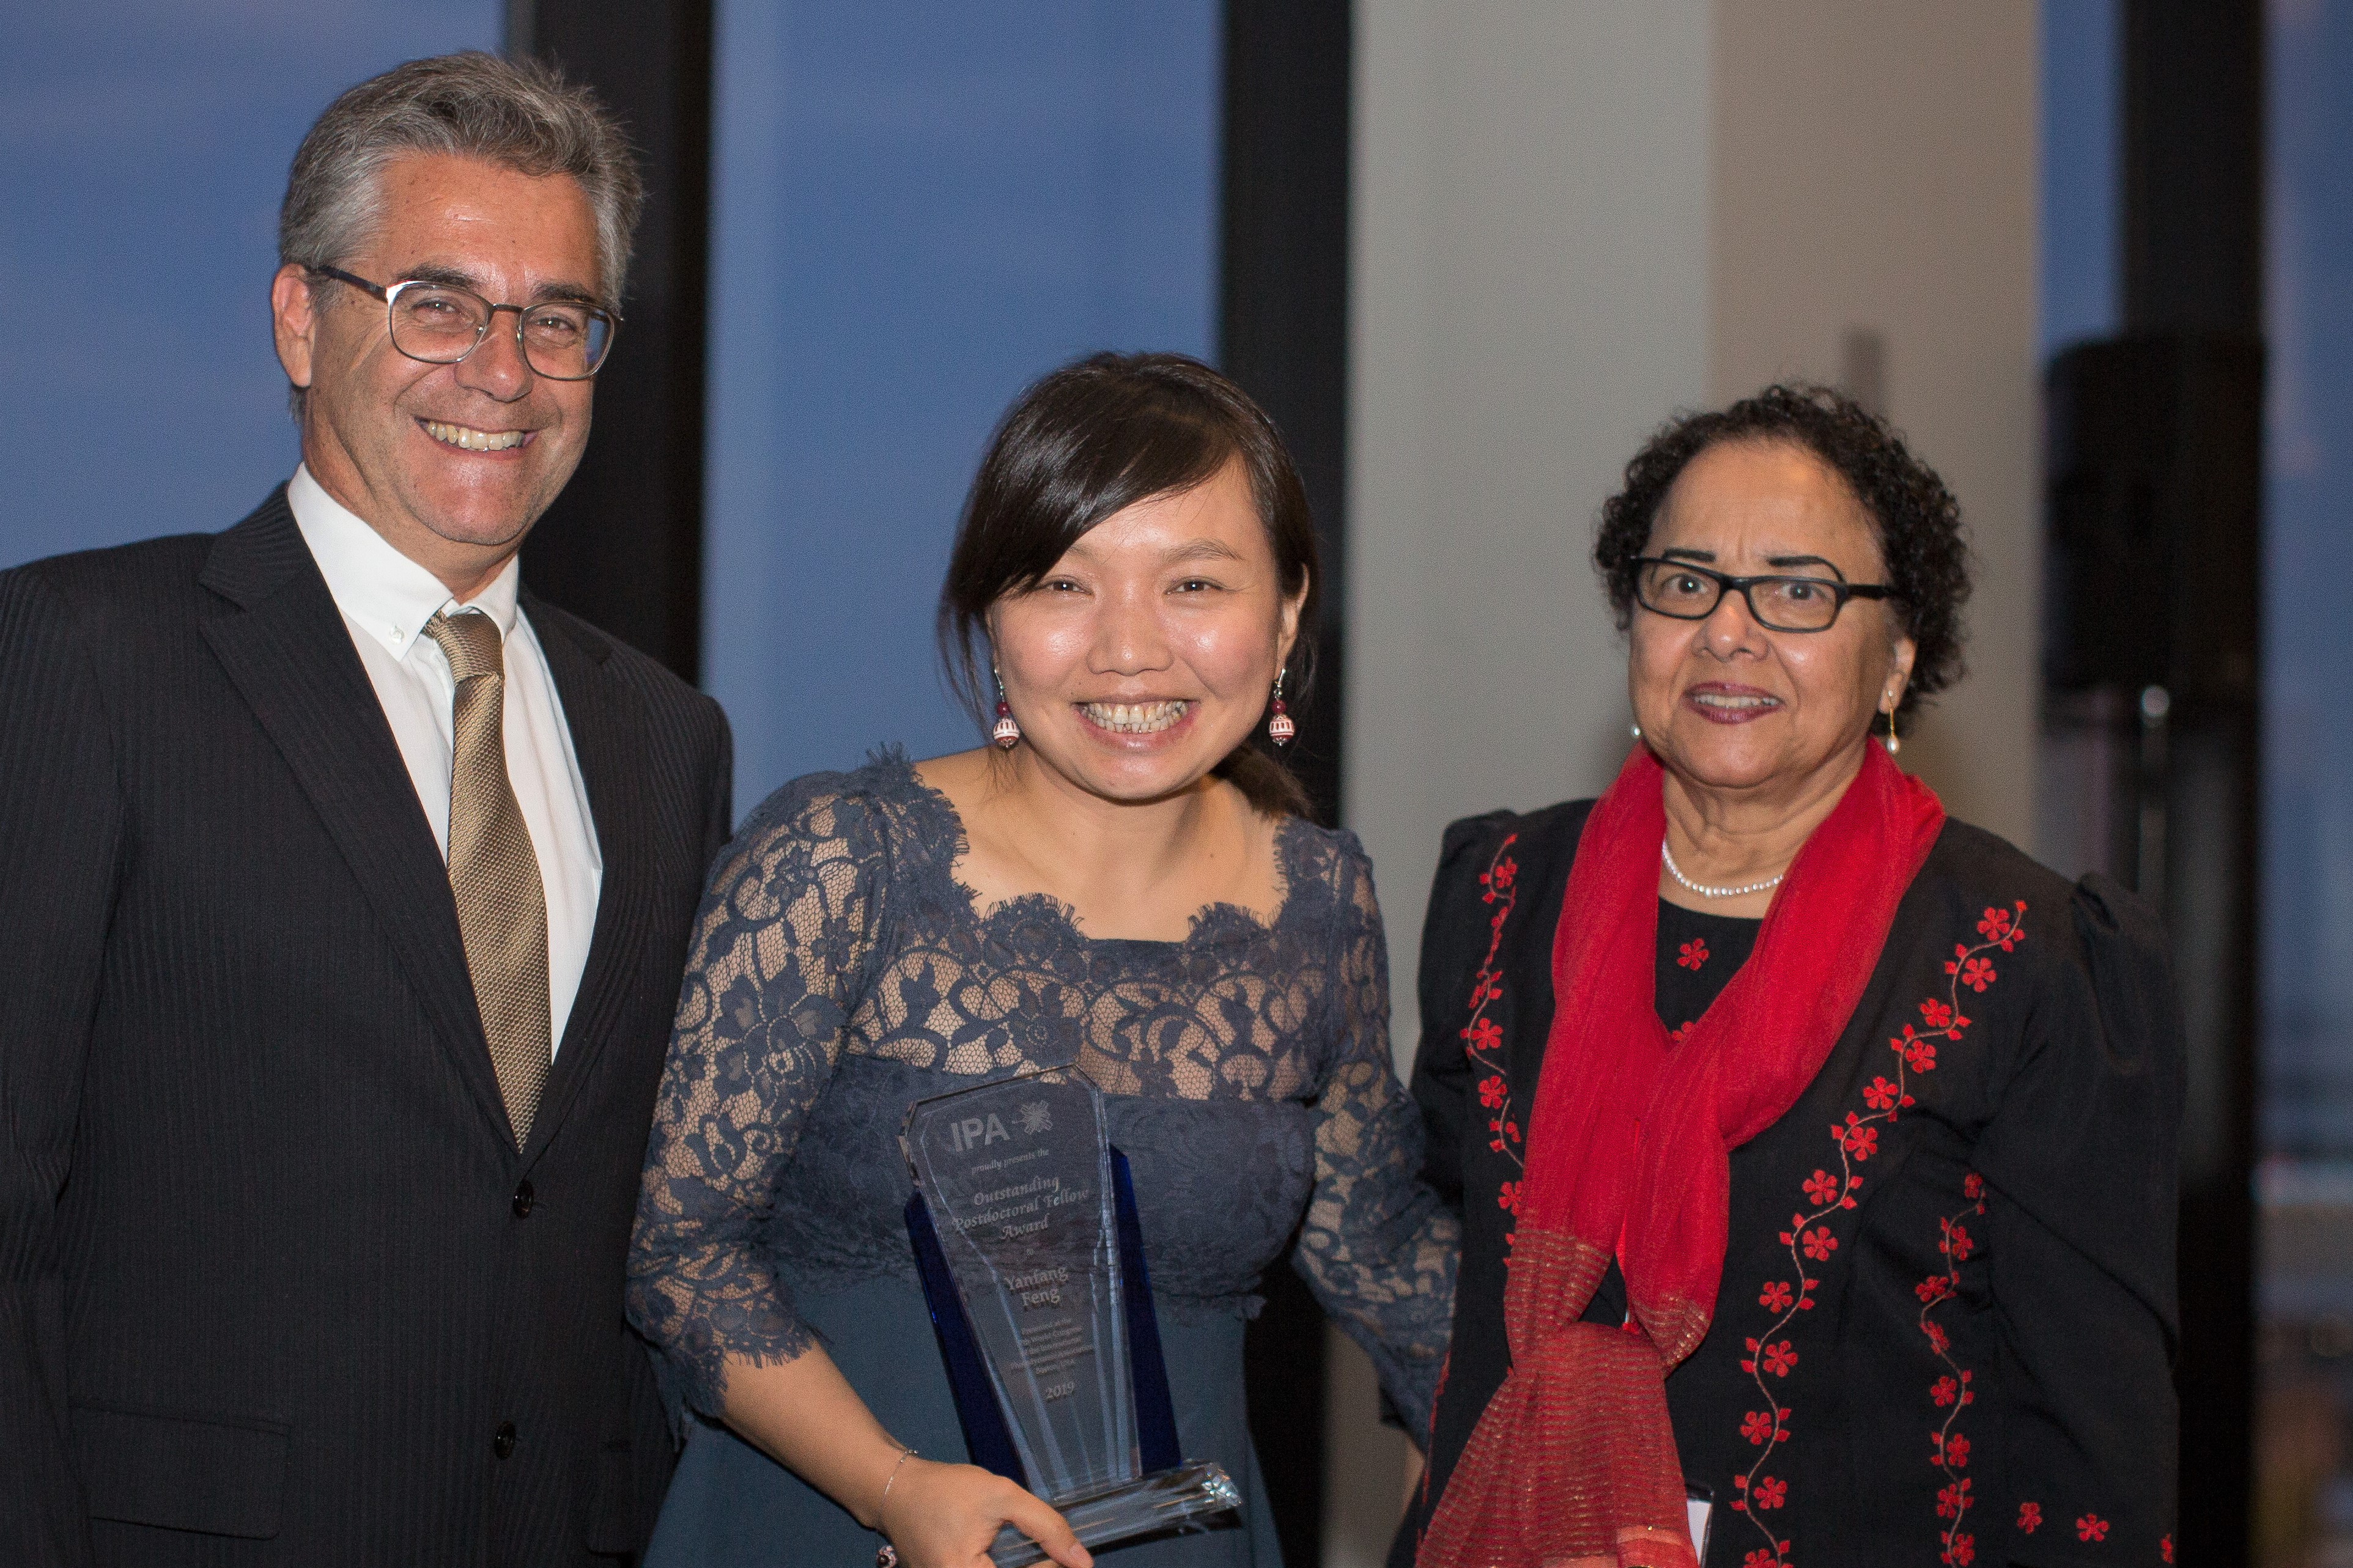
point(1815, 1151)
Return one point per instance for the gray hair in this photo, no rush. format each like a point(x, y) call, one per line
point(518, 114)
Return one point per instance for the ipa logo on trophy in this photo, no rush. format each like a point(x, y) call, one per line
point(1026, 1235)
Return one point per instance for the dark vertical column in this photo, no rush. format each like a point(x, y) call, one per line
point(623, 545)
point(2192, 268)
point(2193, 166)
point(1283, 335)
point(1284, 294)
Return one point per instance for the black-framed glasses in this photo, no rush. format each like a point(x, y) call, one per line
point(1689, 592)
point(440, 324)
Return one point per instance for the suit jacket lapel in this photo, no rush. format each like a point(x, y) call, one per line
point(287, 651)
point(607, 734)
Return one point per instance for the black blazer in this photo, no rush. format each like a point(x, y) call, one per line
point(275, 1285)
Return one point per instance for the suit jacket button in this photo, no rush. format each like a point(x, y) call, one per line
point(524, 1198)
point(502, 1441)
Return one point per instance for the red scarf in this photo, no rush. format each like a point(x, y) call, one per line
point(1573, 1463)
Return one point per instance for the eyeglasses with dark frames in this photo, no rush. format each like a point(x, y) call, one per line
point(1687, 591)
point(440, 323)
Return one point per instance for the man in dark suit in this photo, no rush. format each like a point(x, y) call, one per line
point(344, 888)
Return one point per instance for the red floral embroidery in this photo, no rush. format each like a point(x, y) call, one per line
point(1919, 1055)
point(1950, 1447)
point(1811, 1239)
point(1769, 1493)
point(2091, 1527)
point(2030, 1519)
point(1483, 1037)
point(2165, 1547)
point(1694, 953)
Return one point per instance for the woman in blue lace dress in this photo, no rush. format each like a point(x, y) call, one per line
point(1127, 886)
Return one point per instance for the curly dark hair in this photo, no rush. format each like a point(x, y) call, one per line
point(1917, 521)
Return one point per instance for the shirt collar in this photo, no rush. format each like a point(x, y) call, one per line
point(378, 588)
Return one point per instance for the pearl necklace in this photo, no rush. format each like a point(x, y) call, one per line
point(1705, 892)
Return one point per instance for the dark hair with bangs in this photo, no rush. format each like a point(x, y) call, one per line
point(1089, 440)
point(1917, 521)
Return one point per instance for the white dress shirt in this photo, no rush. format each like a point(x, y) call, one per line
point(385, 599)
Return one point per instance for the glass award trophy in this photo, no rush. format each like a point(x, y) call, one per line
point(1025, 1233)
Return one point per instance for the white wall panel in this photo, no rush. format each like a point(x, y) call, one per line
point(1875, 168)
point(1530, 298)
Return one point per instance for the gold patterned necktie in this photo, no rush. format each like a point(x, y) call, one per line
point(494, 872)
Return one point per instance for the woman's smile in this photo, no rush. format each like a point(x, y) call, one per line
point(1728, 702)
point(1135, 719)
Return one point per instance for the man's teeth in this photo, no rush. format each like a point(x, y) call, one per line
point(473, 440)
point(1135, 717)
point(1731, 699)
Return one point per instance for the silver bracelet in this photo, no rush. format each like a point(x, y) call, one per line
point(904, 1454)
point(887, 1555)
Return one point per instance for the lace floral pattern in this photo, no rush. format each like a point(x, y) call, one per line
point(838, 971)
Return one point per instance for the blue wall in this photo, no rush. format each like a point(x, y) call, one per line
point(2308, 918)
point(143, 148)
point(919, 207)
point(2083, 171)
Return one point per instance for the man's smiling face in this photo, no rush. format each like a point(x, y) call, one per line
point(452, 463)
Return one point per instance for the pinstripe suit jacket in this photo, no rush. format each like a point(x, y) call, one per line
point(275, 1285)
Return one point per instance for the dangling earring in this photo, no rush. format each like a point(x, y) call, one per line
point(1892, 743)
point(1279, 729)
point(1007, 733)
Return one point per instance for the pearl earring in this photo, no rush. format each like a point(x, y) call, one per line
point(1892, 743)
point(1635, 730)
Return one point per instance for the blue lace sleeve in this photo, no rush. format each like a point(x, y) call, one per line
point(779, 952)
point(1378, 1248)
